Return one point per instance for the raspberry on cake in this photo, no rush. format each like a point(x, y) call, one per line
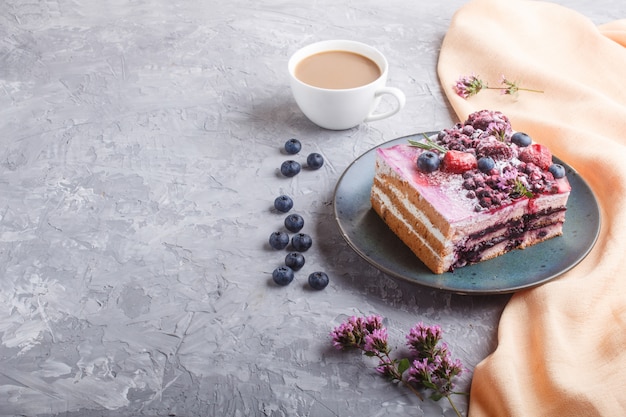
point(470, 193)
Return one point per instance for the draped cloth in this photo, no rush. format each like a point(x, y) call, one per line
point(561, 346)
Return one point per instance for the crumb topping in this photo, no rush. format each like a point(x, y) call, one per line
point(509, 166)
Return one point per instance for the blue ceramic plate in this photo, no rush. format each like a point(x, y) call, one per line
point(370, 237)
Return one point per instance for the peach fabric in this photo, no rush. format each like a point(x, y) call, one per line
point(561, 346)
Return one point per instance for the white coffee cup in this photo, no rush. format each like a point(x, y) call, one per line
point(343, 108)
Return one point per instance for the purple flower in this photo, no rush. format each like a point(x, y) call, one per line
point(500, 130)
point(376, 342)
point(434, 368)
point(343, 336)
point(423, 339)
point(420, 370)
point(372, 323)
point(469, 85)
point(352, 333)
point(446, 370)
point(436, 372)
point(507, 179)
point(511, 87)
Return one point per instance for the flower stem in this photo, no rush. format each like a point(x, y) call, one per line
point(456, 410)
point(385, 358)
point(530, 89)
point(413, 390)
point(516, 88)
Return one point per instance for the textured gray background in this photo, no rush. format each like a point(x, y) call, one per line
point(139, 152)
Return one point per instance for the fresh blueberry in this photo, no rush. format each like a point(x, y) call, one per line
point(283, 275)
point(314, 160)
point(557, 170)
point(301, 242)
point(521, 139)
point(294, 260)
point(290, 168)
point(486, 164)
point(428, 161)
point(279, 240)
point(293, 146)
point(318, 280)
point(283, 203)
point(294, 222)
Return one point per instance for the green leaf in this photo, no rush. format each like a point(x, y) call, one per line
point(403, 365)
point(429, 385)
point(435, 396)
point(428, 145)
point(520, 189)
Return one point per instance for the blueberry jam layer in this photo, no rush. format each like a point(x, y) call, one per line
point(506, 236)
point(520, 225)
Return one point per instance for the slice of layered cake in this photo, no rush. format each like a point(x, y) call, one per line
point(471, 193)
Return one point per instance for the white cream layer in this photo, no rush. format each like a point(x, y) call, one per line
point(436, 233)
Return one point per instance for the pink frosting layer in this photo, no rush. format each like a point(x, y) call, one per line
point(445, 190)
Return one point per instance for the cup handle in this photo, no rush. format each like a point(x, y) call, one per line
point(401, 100)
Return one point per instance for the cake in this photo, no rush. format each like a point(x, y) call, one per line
point(470, 193)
